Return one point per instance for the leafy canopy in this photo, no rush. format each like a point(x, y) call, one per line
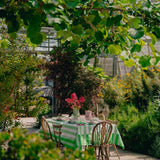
point(90, 26)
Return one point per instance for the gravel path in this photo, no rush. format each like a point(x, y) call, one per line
point(29, 123)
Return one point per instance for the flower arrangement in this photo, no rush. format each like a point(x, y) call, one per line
point(74, 102)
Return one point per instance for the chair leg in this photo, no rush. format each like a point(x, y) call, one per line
point(99, 152)
point(107, 152)
point(116, 151)
point(104, 153)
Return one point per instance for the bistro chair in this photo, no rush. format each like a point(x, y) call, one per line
point(100, 138)
point(46, 129)
point(115, 148)
point(57, 135)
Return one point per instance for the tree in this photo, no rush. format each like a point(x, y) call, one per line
point(70, 76)
point(91, 26)
point(18, 71)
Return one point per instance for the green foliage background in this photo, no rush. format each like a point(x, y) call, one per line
point(140, 130)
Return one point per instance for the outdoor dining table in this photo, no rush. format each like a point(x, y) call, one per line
point(75, 135)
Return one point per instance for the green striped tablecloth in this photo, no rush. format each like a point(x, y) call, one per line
point(75, 136)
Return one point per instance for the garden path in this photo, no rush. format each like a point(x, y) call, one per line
point(30, 122)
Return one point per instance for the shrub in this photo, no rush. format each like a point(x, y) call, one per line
point(139, 129)
point(136, 88)
point(28, 147)
point(8, 120)
point(155, 148)
point(42, 108)
point(113, 93)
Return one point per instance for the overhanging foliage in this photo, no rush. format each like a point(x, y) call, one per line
point(91, 26)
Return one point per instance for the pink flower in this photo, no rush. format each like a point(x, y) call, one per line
point(81, 99)
point(74, 96)
point(74, 102)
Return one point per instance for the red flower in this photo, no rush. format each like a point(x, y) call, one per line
point(74, 96)
point(73, 102)
point(81, 99)
point(6, 110)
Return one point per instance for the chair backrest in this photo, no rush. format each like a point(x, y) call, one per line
point(57, 133)
point(101, 133)
point(46, 129)
point(111, 121)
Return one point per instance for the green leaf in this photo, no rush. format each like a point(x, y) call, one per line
point(63, 25)
point(44, 37)
point(122, 58)
point(106, 35)
point(145, 61)
point(60, 34)
point(37, 38)
point(78, 29)
point(31, 30)
point(129, 62)
point(86, 62)
point(136, 48)
point(109, 22)
point(72, 3)
point(49, 7)
point(99, 36)
point(114, 49)
point(136, 34)
point(128, 1)
point(89, 32)
point(65, 35)
point(157, 60)
point(117, 19)
point(77, 13)
point(97, 19)
point(56, 26)
point(25, 15)
point(135, 22)
point(152, 47)
point(84, 1)
point(12, 23)
point(35, 20)
point(90, 18)
point(76, 41)
point(153, 37)
point(157, 32)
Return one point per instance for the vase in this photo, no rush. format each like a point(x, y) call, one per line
point(76, 113)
